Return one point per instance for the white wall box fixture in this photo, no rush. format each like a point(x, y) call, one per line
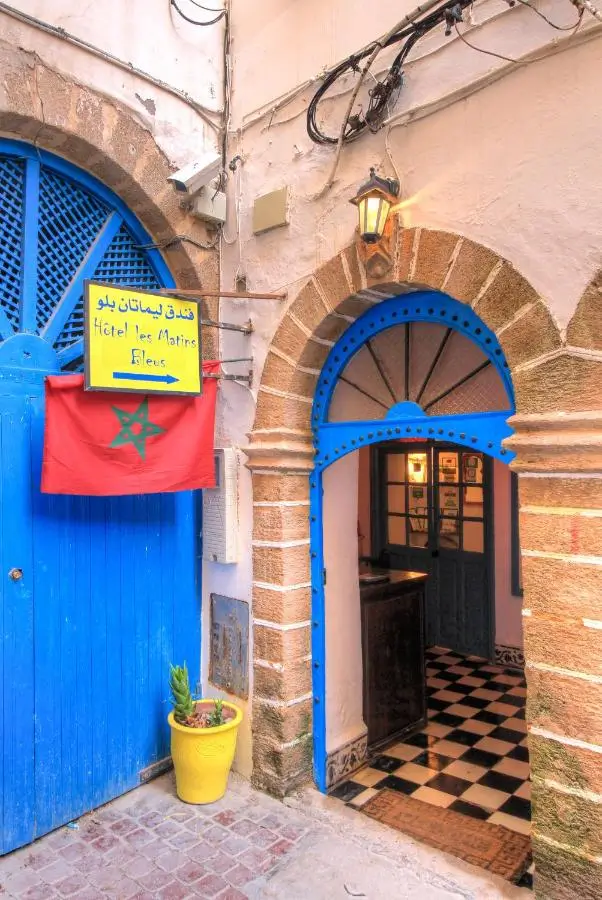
point(220, 510)
point(270, 211)
point(209, 205)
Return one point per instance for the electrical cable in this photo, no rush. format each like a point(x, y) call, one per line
point(270, 109)
point(206, 8)
point(193, 21)
point(381, 96)
point(481, 50)
point(423, 111)
point(409, 33)
point(549, 21)
point(589, 6)
point(179, 239)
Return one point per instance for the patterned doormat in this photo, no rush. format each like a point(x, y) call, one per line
point(493, 847)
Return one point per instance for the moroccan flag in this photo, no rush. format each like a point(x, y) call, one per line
point(99, 443)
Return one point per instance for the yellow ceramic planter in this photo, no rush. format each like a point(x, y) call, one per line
point(203, 757)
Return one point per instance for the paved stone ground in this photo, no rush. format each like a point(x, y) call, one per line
point(149, 846)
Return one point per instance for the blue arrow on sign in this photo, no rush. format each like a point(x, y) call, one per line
point(139, 376)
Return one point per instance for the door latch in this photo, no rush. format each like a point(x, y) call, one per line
point(15, 574)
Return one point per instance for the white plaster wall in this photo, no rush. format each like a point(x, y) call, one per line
point(232, 580)
point(150, 35)
point(344, 692)
point(514, 165)
point(364, 500)
point(234, 408)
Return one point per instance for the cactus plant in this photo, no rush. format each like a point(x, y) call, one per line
point(185, 709)
point(180, 691)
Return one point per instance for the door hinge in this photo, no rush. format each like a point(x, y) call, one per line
point(323, 576)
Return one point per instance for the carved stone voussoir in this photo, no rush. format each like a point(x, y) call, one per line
point(564, 442)
point(281, 450)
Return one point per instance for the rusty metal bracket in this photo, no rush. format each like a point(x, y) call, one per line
point(199, 294)
point(223, 376)
point(227, 326)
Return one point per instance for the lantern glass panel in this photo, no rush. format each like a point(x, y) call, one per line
point(373, 212)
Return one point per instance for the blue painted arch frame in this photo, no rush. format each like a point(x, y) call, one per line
point(33, 157)
point(483, 431)
point(118, 216)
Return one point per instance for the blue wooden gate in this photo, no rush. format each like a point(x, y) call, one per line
point(98, 595)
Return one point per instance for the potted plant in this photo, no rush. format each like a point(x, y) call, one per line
point(203, 741)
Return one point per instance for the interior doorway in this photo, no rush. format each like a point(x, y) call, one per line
point(415, 722)
point(446, 758)
point(432, 512)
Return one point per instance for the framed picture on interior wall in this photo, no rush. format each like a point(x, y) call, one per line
point(420, 524)
point(449, 525)
point(471, 468)
point(473, 475)
point(448, 468)
point(449, 500)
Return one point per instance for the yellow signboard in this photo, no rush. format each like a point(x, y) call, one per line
point(139, 341)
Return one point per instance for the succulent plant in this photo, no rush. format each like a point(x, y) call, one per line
point(217, 716)
point(179, 684)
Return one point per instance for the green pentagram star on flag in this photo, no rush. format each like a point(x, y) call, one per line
point(136, 428)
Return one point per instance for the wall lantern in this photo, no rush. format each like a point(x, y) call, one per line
point(374, 200)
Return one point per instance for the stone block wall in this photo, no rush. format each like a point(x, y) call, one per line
point(103, 137)
point(558, 441)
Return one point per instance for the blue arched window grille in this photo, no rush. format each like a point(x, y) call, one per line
point(402, 410)
point(58, 227)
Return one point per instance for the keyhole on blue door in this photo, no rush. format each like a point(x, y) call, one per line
point(16, 574)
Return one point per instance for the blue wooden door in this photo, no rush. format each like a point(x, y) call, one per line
point(98, 594)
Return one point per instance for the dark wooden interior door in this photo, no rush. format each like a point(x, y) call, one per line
point(432, 513)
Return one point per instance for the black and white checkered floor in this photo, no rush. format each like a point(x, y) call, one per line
point(472, 756)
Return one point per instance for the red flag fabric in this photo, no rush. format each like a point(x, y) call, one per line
point(99, 443)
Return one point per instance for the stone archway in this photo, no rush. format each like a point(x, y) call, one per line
point(49, 109)
point(558, 444)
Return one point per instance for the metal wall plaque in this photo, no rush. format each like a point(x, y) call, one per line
point(229, 647)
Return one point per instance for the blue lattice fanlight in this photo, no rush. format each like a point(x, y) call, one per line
point(58, 227)
point(418, 365)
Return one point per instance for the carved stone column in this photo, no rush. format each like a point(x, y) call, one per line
point(559, 461)
point(282, 693)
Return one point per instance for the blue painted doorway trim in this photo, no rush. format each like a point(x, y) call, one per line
point(484, 431)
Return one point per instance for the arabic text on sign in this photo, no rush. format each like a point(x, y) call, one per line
point(130, 331)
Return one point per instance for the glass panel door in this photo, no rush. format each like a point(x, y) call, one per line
point(408, 493)
point(459, 505)
point(433, 513)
